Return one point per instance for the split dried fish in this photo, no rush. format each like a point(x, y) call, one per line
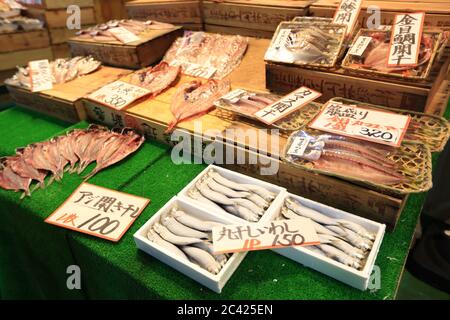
point(35, 161)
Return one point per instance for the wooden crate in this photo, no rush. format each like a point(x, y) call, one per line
point(9, 60)
point(58, 18)
point(62, 35)
point(263, 15)
point(179, 12)
point(239, 31)
point(60, 50)
point(336, 83)
point(64, 100)
point(58, 4)
point(149, 49)
point(23, 40)
point(437, 12)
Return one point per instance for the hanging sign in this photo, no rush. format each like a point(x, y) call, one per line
point(347, 14)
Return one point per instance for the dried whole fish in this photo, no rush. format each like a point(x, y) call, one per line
point(180, 229)
point(173, 238)
point(195, 194)
point(339, 255)
point(194, 99)
point(342, 245)
point(36, 161)
point(156, 79)
point(154, 237)
point(193, 222)
point(202, 258)
point(208, 247)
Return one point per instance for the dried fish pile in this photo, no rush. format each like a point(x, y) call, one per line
point(210, 50)
point(246, 201)
point(63, 70)
point(188, 238)
point(344, 241)
point(194, 99)
point(20, 23)
point(101, 32)
point(300, 43)
point(156, 79)
point(55, 156)
point(375, 56)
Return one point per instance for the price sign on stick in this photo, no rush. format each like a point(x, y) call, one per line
point(286, 105)
point(347, 13)
point(361, 123)
point(98, 211)
point(406, 37)
point(118, 94)
point(40, 75)
point(270, 235)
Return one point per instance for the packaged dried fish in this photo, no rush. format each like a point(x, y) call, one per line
point(207, 54)
point(301, 44)
point(373, 59)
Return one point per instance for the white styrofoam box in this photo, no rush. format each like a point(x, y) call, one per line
point(355, 278)
point(270, 213)
point(214, 282)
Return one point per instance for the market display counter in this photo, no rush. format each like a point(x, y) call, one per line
point(35, 255)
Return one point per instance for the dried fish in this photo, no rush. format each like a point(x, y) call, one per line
point(173, 238)
point(154, 237)
point(202, 258)
point(208, 247)
point(226, 182)
point(195, 194)
point(193, 222)
point(180, 229)
point(225, 190)
point(342, 245)
point(213, 195)
point(156, 79)
point(339, 255)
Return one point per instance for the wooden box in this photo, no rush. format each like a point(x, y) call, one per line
point(60, 51)
point(246, 16)
point(24, 40)
point(186, 13)
point(58, 4)
point(64, 100)
point(437, 12)
point(148, 50)
point(62, 35)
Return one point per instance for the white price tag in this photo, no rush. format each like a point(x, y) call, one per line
point(233, 96)
point(118, 94)
point(270, 235)
point(124, 35)
point(406, 37)
point(281, 39)
point(286, 105)
point(40, 75)
point(298, 146)
point(360, 46)
point(98, 211)
point(347, 14)
point(366, 124)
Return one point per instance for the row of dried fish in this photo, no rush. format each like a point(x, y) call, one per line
point(63, 70)
point(247, 201)
point(349, 157)
point(20, 23)
point(187, 238)
point(101, 32)
point(342, 240)
point(209, 50)
point(80, 146)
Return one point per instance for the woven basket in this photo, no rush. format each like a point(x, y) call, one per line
point(413, 160)
point(346, 63)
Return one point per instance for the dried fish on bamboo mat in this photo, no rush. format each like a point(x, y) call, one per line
point(402, 170)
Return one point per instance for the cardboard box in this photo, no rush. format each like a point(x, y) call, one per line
point(192, 270)
point(355, 278)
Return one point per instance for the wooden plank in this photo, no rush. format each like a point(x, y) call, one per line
point(61, 35)
point(150, 49)
point(10, 60)
point(58, 18)
point(239, 31)
point(250, 15)
point(177, 12)
point(106, 10)
point(24, 40)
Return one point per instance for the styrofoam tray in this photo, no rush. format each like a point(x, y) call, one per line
point(355, 278)
point(270, 213)
point(214, 282)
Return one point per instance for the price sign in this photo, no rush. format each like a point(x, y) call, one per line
point(195, 70)
point(118, 94)
point(124, 35)
point(367, 124)
point(347, 13)
point(232, 96)
point(406, 37)
point(286, 105)
point(274, 234)
point(40, 75)
point(298, 146)
point(98, 211)
point(274, 52)
point(360, 46)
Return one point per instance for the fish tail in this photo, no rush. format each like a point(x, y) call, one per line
point(81, 167)
point(172, 126)
point(90, 175)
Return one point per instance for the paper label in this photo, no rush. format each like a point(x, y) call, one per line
point(406, 37)
point(360, 46)
point(366, 124)
point(281, 39)
point(118, 94)
point(234, 96)
point(98, 211)
point(286, 105)
point(195, 70)
point(298, 146)
point(270, 235)
point(347, 14)
point(40, 75)
point(124, 35)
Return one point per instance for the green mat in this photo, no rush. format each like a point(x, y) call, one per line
point(35, 255)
